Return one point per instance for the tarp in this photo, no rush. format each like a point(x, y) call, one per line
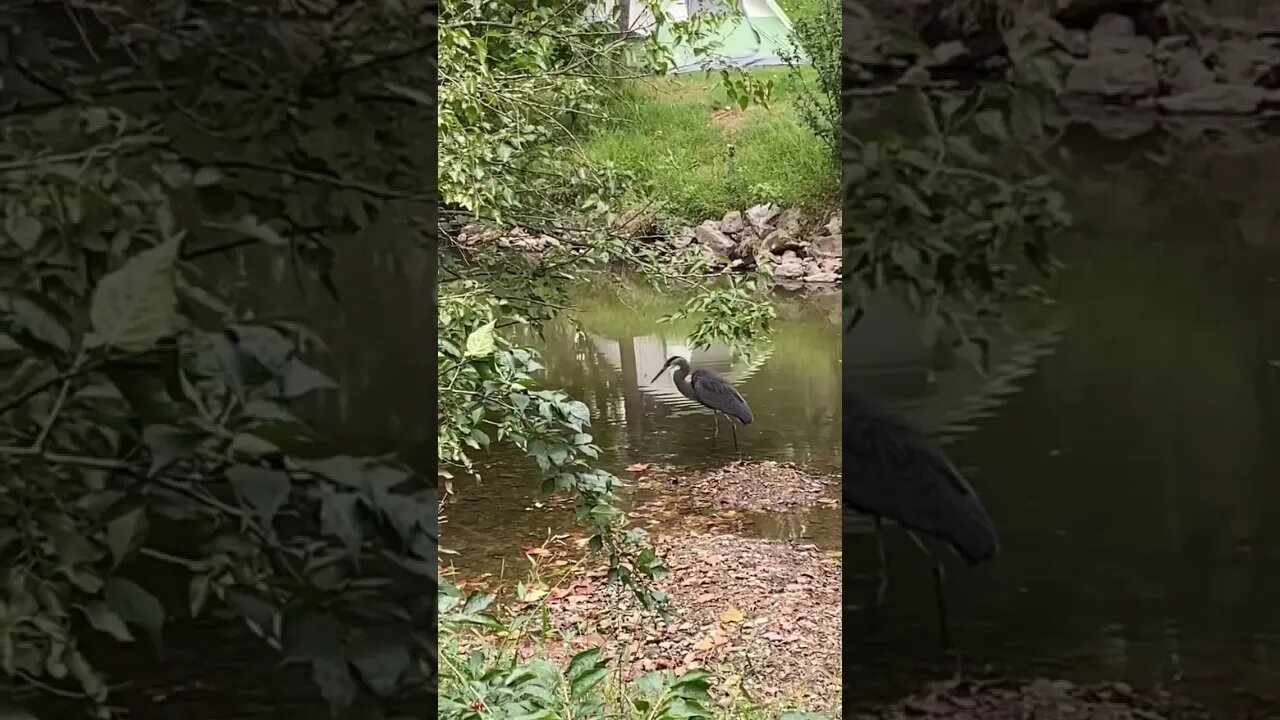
point(754, 33)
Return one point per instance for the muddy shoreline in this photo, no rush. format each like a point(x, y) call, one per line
point(1038, 699)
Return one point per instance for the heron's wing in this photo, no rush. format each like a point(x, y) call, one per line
point(913, 453)
point(716, 393)
point(894, 470)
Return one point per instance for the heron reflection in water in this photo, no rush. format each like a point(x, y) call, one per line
point(710, 391)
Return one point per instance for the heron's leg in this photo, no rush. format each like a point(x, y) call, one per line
point(715, 416)
point(882, 576)
point(734, 428)
point(939, 578)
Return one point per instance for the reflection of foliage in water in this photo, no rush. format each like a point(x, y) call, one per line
point(804, 336)
point(946, 209)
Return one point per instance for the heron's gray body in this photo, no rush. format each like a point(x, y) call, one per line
point(710, 391)
point(893, 470)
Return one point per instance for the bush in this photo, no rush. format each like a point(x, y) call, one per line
point(816, 34)
point(484, 675)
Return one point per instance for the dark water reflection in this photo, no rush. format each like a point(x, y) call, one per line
point(606, 358)
point(1136, 476)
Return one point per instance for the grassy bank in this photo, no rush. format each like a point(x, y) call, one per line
point(696, 156)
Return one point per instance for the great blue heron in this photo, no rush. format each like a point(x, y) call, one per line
point(711, 391)
point(893, 470)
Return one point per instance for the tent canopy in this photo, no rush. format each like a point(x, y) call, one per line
point(754, 33)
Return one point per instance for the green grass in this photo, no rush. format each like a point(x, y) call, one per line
point(797, 8)
point(673, 134)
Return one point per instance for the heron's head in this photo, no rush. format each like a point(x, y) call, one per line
point(675, 360)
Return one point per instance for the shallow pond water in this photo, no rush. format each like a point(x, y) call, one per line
point(607, 356)
point(1135, 474)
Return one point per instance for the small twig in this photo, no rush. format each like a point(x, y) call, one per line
point(374, 190)
point(192, 565)
point(45, 429)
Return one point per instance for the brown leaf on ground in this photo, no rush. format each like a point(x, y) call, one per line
point(786, 649)
point(766, 486)
point(732, 615)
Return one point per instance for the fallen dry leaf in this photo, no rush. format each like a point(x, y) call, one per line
point(732, 615)
point(637, 467)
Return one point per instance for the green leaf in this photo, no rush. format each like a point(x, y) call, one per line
point(342, 469)
point(1025, 115)
point(991, 123)
point(382, 662)
point(480, 343)
point(252, 227)
point(300, 379)
point(339, 517)
point(651, 684)
point(35, 316)
point(124, 533)
point(257, 613)
point(198, 594)
point(169, 444)
point(336, 683)
point(248, 443)
point(207, 176)
point(136, 607)
point(82, 671)
point(264, 490)
point(137, 305)
point(25, 231)
point(104, 619)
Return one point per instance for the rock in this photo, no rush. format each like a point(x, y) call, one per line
point(1185, 71)
point(747, 248)
point(780, 240)
point(1135, 45)
point(789, 220)
point(636, 223)
point(1244, 61)
point(761, 216)
point(683, 239)
point(827, 246)
point(1215, 99)
point(1114, 122)
point(732, 223)
point(1114, 35)
point(790, 269)
point(1114, 76)
point(713, 239)
point(1077, 42)
point(822, 277)
point(1169, 45)
point(1112, 25)
point(835, 224)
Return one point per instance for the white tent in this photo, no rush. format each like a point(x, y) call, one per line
point(753, 33)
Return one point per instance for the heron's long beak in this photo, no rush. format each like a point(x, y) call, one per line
point(665, 365)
